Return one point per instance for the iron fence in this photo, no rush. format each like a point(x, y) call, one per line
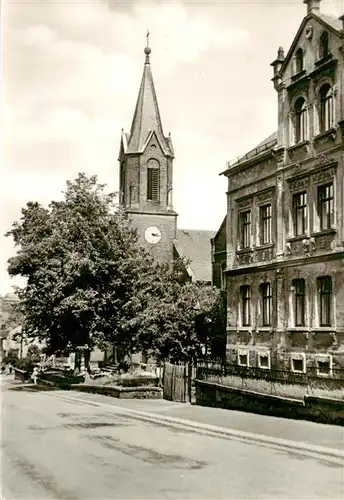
point(210, 368)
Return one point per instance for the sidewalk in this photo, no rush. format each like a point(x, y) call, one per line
point(301, 431)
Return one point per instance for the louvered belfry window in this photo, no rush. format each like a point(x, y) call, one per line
point(153, 180)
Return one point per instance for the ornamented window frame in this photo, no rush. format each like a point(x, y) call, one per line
point(318, 104)
point(319, 178)
point(292, 119)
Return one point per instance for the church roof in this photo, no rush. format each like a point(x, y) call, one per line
point(146, 120)
point(195, 246)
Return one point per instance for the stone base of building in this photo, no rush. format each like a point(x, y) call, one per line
point(316, 409)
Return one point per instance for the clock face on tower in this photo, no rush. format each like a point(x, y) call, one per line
point(152, 235)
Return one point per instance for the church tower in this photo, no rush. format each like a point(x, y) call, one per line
point(146, 173)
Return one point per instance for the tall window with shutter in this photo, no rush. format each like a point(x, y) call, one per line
point(153, 180)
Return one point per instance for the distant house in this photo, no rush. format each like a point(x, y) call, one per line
point(218, 256)
point(6, 306)
point(194, 245)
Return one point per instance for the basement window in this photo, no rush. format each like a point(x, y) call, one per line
point(298, 365)
point(264, 361)
point(243, 359)
point(324, 366)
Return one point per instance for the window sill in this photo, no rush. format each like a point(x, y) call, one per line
point(331, 133)
point(324, 232)
point(325, 375)
point(264, 246)
point(298, 238)
point(301, 329)
point(244, 250)
point(298, 75)
point(323, 60)
point(300, 144)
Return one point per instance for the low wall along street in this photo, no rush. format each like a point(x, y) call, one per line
point(274, 382)
point(139, 392)
point(314, 408)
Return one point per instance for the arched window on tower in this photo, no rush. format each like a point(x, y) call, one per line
point(153, 180)
point(300, 120)
point(326, 108)
point(323, 45)
point(299, 60)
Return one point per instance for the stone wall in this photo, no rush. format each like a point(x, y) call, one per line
point(316, 409)
point(144, 392)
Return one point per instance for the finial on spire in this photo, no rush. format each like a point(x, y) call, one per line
point(147, 48)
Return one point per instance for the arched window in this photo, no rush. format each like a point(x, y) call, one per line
point(153, 180)
point(300, 120)
point(326, 108)
point(299, 60)
point(323, 45)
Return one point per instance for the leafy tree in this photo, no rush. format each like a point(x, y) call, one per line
point(177, 321)
point(89, 282)
point(82, 263)
point(34, 353)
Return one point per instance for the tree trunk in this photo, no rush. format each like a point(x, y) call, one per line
point(77, 360)
point(87, 356)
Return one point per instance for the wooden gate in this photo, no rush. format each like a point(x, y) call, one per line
point(175, 382)
point(178, 382)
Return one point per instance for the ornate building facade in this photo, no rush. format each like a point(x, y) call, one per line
point(285, 216)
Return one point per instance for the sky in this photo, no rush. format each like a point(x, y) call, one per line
point(71, 71)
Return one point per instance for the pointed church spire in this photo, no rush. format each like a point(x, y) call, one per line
point(146, 118)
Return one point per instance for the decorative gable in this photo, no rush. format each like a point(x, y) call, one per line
point(316, 39)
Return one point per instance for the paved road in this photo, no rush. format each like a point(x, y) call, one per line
point(58, 449)
point(329, 436)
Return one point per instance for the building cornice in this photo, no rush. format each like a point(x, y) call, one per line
point(285, 263)
point(240, 166)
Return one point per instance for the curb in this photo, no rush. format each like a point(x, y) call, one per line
point(331, 454)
